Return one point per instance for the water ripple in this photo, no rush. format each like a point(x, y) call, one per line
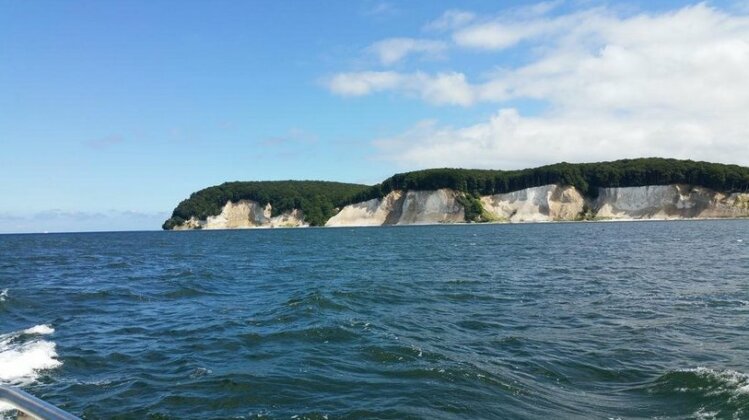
point(589, 320)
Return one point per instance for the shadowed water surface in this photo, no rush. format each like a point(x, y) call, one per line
point(578, 320)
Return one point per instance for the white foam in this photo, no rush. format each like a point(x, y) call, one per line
point(21, 360)
point(39, 329)
point(3, 295)
point(732, 382)
point(4, 409)
point(703, 414)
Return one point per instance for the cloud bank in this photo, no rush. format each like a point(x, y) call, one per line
point(670, 84)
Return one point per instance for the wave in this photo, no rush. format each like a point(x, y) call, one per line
point(715, 393)
point(315, 300)
point(708, 381)
point(24, 354)
point(185, 292)
point(39, 330)
point(3, 295)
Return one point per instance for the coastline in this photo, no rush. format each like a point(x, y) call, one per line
point(529, 222)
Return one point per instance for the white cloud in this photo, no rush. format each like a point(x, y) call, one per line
point(381, 8)
point(514, 26)
point(541, 8)
point(438, 89)
point(668, 84)
point(531, 24)
point(494, 36)
point(390, 51)
point(451, 19)
point(444, 88)
point(364, 83)
point(508, 140)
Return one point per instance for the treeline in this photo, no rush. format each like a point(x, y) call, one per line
point(587, 177)
point(318, 199)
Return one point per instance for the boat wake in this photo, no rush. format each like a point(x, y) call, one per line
point(23, 354)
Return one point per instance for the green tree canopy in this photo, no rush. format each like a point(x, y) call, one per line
point(316, 199)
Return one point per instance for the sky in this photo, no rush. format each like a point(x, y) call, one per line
point(113, 112)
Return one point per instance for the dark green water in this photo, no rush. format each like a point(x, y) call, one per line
point(584, 320)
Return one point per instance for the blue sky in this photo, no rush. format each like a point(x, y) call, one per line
point(113, 112)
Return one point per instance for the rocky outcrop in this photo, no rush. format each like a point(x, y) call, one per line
point(245, 214)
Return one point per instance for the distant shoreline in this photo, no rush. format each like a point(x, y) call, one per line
point(384, 226)
point(533, 222)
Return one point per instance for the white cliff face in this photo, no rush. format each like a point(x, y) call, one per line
point(190, 224)
point(668, 202)
point(373, 212)
point(294, 218)
point(397, 208)
point(545, 203)
point(428, 207)
point(733, 205)
point(245, 214)
point(539, 204)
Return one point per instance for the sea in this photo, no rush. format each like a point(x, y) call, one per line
point(591, 320)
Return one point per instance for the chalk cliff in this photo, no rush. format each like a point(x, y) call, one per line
point(399, 208)
point(538, 204)
point(548, 203)
point(245, 214)
point(375, 212)
point(643, 188)
point(668, 202)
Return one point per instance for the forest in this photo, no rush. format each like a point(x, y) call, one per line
point(319, 200)
point(316, 199)
point(587, 177)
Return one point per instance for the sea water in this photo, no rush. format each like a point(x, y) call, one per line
point(569, 320)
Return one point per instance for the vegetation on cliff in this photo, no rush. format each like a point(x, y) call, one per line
point(587, 177)
point(318, 199)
